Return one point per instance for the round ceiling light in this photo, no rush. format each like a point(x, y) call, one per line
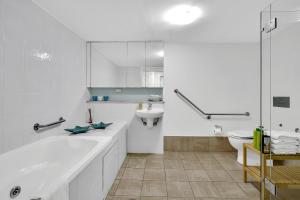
point(182, 14)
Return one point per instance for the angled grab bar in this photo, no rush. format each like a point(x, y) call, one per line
point(209, 115)
point(37, 126)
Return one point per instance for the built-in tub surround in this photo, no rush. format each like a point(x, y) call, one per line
point(44, 167)
point(58, 167)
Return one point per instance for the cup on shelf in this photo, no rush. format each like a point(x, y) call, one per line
point(100, 98)
point(105, 98)
point(94, 98)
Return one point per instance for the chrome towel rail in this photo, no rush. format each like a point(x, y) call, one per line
point(37, 126)
point(209, 115)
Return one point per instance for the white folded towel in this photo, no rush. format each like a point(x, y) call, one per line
point(282, 151)
point(283, 135)
point(285, 142)
point(284, 147)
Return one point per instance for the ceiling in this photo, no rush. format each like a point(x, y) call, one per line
point(224, 21)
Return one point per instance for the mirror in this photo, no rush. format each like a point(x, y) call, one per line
point(125, 64)
point(154, 64)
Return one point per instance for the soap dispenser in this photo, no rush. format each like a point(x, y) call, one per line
point(140, 106)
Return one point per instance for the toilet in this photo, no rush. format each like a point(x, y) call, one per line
point(236, 139)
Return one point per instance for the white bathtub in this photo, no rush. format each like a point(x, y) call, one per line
point(44, 167)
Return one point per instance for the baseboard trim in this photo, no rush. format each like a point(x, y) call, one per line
point(197, 144)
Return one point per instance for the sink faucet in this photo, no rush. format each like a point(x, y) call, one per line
point(149, 106)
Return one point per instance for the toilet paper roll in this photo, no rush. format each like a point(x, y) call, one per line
point(218, 130)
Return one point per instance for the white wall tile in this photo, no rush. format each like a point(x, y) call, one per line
point(32, 89)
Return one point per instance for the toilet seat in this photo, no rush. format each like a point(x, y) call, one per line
point(241, 134)
point(241, 138)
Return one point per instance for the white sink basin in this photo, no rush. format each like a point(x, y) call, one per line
point(150, 115)
point(153, 113)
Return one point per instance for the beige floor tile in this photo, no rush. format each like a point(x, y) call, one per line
point(204, 198)
point(212, 164)
point(154, 188)
point(187, 156)
point(155, 163)
point(155, 174)
point(231, 165)
point(124, 165)
point(221, 156)
point(204, 156)
point(219, 175)
point(212, 176)
point(133, 173)
point(211, 161)
point(229, 190)
point(181, 198)
point(137, 155)
point(113, 188)
point(236, 175)
point(192, 164)
point(108, 197)
point(136, 163)
point(175, 175)
point(169, 155)
point(197, 175)
point(120, 173)
point(124, 198)
point(155, 156)
point(173, 164)
point(129, 188)
point(154, 198)
point(179, 189)
point(204, 189)
point(250, 190)
point(145, 155)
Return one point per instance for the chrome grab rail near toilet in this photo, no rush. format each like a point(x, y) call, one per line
point(37, 126)
point(209, 115)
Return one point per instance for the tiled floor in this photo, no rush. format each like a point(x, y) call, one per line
point(181, 176)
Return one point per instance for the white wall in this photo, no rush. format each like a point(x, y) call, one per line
point(35, 90)
point(140, 139)
point(217, 78)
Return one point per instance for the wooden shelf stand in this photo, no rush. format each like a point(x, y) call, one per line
point(279, 176)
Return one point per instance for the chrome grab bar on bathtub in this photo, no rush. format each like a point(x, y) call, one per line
point(209, 115)
point(37, 126)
